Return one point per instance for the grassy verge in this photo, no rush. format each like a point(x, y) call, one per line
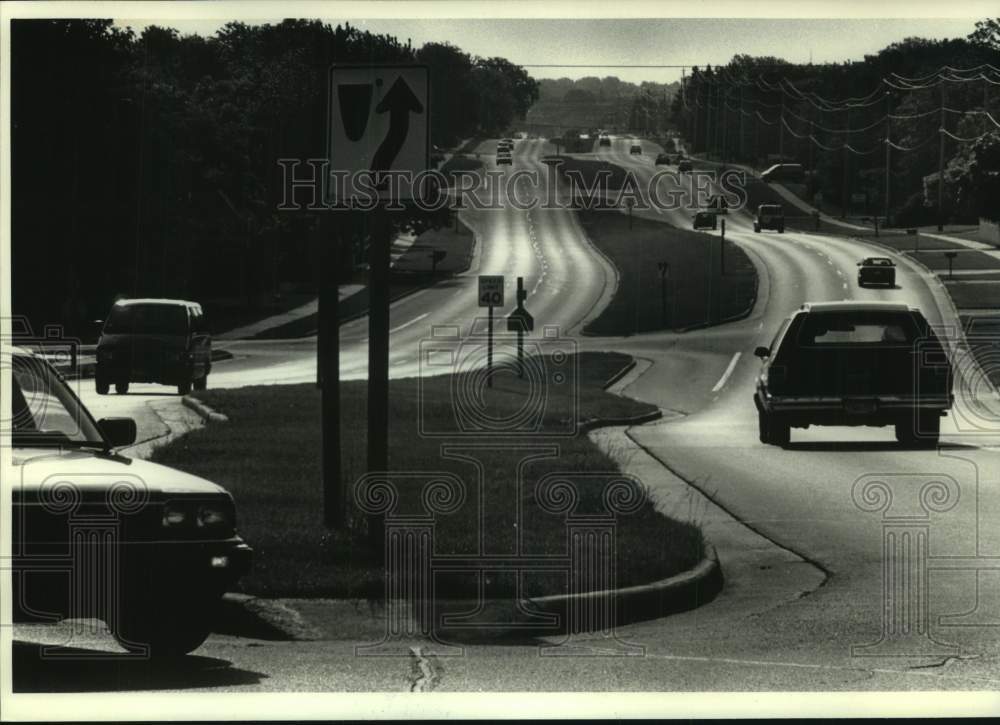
point(700, 291)
point(410, 273)
point(268, 457)
point(966, 259)
point(967, 294)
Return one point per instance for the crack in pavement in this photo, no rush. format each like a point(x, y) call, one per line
point(424, 676)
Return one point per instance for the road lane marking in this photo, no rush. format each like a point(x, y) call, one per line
point(729, 371)
point(407, 324)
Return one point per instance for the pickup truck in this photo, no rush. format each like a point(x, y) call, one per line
point(854, 364)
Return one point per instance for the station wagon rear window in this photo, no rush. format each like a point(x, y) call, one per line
point(150, 319)
point(845, 329)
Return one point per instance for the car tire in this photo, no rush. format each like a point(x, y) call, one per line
point(121, 387)
point(184, 387)
point(922, 430)
point(102, 386)
point(201, 383)
point(756, 227)
point(781, 229)
point(162, 633)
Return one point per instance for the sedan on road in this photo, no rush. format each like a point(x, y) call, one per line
point(769, 216)
point(876, 270)
point(604, 141)
point(635, 149)
point(149, 550)
point(854, 364)
point(684, 165)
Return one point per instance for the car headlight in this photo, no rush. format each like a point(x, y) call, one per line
point(174, 515)
point(214, 516)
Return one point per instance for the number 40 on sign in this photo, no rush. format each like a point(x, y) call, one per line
point(491, 291)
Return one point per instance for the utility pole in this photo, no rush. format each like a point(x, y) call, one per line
point(847, 161)
point(725, 127)
point(378, 360)
point(708, 119)
point(742, 148)
point(940, 181)
point(781, 131)
point(888, 154)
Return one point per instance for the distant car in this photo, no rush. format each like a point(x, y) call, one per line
point(705, 220)
point(146, 548)
point(717, 204)
point(684, 165)
point(504, 161)
point(604, 141)
point(635, 149)
point(153, 341)
point(876, 270)
point(770, 216)
point(783, 172)
point(855, 364)
point(663, 160)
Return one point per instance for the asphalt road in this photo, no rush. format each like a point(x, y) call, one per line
point(783, 622)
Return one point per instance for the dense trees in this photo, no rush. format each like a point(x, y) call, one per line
point(146, 164)
point(835, 119)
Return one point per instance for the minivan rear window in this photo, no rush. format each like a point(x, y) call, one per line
point(149, 319)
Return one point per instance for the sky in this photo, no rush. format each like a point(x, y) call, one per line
point(636, 49)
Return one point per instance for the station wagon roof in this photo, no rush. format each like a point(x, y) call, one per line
point(855, 306)
point(156, 301)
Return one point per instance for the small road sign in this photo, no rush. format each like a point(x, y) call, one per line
point(377, 123)
point(491, 290)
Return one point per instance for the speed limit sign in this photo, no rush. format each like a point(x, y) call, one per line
point(491, 291)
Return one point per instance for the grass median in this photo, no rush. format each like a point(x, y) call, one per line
point(709, 280)
point(268, 457)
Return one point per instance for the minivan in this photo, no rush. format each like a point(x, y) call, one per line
point(153, 341)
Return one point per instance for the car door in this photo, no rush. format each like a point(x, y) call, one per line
point(201, 343)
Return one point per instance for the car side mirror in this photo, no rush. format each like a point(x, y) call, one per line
point(118, 431)
point(762, 352)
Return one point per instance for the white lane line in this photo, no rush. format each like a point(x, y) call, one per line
point(844, 285)
point(729, 371)
point(407, 324)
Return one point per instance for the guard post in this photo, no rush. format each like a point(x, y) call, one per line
point(490, 296)
point(520, 321)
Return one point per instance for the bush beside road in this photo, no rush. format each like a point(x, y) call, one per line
point(268, 457)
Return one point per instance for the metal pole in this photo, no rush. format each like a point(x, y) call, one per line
point(328, 372)
point(378, 359)
point(847, 161)
point(489, 350)
point(781, 131)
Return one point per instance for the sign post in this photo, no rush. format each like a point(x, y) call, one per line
point(328, 374)
point(664, 268)
point(490, 296)
point(520, 321)
point(951, 262)
point(377, 133)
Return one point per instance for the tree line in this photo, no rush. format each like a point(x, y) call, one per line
point(836, 119)
point(145, 164)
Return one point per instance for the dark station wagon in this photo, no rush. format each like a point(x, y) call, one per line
point(854, 364)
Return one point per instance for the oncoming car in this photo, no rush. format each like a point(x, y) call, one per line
point(854, 364)
point(876, 270)
point(145, 548)
point(684, 165)
point(705, 220)
point(604, 141)
point(154, 341)
point(635, 149)
point(663, 159)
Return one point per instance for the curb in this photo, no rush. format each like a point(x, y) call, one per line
point(681, 592)
point(207, 414)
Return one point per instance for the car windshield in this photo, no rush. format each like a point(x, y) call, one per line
point(147, 319)
point(770, 209)
point(879, 262)
point(44, 412)
point(859, 328)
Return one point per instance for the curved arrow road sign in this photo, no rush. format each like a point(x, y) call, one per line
point(378, 122)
